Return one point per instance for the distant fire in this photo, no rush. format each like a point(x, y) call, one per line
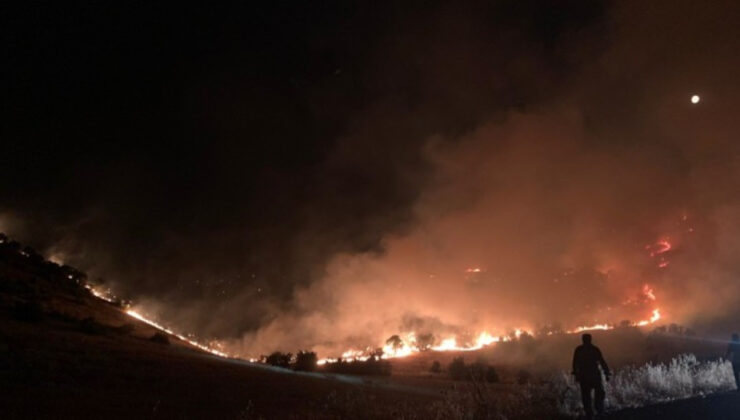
point(484, 339)
point(110, 298)
point(405, 347)
point(659, 248)
point(648, 292)
point(203, 347)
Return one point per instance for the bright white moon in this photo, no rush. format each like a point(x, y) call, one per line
point(695, 99)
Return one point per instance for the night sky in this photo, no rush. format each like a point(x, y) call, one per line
point(251, 171)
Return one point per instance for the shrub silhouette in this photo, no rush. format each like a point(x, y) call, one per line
point(305, 361)
point(436, 367)
point(279, 359)
point(457, 369)
point(160, 337)
point(371, 366)
point(125, 329)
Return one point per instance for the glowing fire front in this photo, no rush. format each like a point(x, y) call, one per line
point(203, 347)
point(109, 297)
point(409, 346)
point(396, 349)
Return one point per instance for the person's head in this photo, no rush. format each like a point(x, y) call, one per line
point(735, 337)
point(586, 338)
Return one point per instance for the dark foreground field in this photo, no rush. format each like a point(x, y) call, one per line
point(66, 354)
point(49, 373)
point(724, 406)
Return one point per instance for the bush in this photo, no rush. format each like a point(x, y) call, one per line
point(436, 367)
point(306, 361)
point(279, 359)
point(371, 366)
point(160, 337)
point(480, 372)
point(492, 375)
point(125, 329)
point(683, 377)
point(457, 369)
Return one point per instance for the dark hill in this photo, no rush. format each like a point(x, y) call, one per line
point(66, 354)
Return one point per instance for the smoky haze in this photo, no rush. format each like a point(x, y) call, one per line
point(324, 179)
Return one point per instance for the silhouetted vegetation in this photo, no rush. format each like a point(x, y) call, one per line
point(481, 372)
point(673, 329)
point(550, 329)
point(478, 371)
point(160, 337)
point(372, 366)
point(279, 359)
point(492, 375)
point(436, 367)
point(394, 342)
point(456, 369)
point(125, 329)
point(425, 341)
point(305, 361)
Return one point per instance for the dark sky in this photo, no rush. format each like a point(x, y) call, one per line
point(214, 160)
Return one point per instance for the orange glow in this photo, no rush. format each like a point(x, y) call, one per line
point(407, 347)
point(648, 292)
point(110, 298)
point(203, 347)
point(660, 247)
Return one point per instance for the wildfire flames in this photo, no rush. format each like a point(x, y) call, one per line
point(406, 347)
point(409, 346)
point(110, 298)
point(409, 343)
point(659, 248)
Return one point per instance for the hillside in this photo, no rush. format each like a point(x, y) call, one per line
point(67, 354)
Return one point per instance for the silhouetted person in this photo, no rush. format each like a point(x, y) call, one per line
point(733, 355)
point(586, 361)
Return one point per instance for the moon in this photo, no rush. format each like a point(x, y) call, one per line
point(695, 99)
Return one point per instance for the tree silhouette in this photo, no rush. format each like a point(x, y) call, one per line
point(394, 342)
point(305, 361)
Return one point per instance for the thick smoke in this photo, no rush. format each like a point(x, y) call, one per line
point(370, 171)
point(562, 208)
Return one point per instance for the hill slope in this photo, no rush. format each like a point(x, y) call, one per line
point(66, 354)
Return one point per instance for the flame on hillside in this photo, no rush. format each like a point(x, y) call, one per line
point(407, 346)
point(109, 297)
point(410, 346)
